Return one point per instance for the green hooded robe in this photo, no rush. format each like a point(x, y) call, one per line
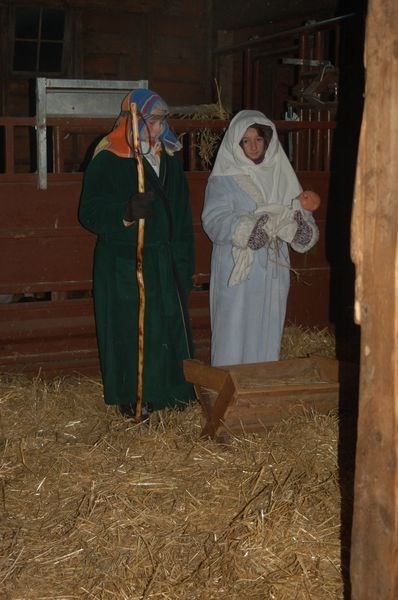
point(109, 182)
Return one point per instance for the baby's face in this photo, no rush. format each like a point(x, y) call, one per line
point(309, 200)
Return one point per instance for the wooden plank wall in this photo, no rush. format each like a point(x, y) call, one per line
point(167, 43)
point(46, 252)
point(44, 249)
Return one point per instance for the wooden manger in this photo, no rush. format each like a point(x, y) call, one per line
point(249, 398)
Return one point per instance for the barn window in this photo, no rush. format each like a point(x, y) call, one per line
point(39, 39)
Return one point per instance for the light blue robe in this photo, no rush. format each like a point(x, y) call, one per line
point(247, 319)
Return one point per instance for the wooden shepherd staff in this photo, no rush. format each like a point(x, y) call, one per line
point(139, 273)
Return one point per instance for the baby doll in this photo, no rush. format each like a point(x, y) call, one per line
point(309, 200)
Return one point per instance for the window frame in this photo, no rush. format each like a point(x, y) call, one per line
point(13, 39)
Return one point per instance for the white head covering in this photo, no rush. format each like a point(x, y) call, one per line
point(272, 184)
point(274, 176)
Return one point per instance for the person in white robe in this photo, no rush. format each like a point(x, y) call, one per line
point(253, 211)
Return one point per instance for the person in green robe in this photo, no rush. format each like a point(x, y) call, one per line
point(110, 206)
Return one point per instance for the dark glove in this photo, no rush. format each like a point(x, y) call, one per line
point(303, 234)
point(258, 238)
point(139, 206)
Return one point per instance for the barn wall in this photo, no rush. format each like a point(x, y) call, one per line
point(167, 43)
point(44, 250)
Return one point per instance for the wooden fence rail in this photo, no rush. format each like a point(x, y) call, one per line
point(70, 142)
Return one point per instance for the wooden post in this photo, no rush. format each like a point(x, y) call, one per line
point(225, 69)
point(139, 271)
point(247, 79)
point(374, 550)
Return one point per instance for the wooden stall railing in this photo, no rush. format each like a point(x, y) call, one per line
point(46, 256)
point(307, 142)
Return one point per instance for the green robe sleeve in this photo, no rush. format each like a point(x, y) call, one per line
point(104, 197)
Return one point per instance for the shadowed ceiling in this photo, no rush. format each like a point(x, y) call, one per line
point(237, 14)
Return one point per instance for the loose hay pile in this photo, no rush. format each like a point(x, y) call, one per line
point(208, 140)
point(300, 341)
point(96, 507)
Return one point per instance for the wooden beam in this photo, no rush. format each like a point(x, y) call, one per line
point(374, 550)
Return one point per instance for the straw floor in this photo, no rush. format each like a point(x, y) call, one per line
point(94, 506)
